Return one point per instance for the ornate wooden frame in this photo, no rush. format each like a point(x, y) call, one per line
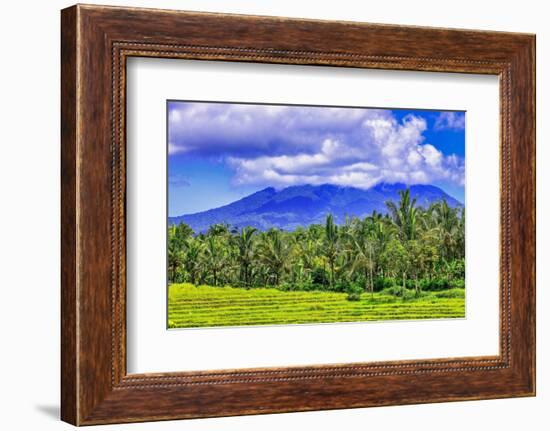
point(95, 42)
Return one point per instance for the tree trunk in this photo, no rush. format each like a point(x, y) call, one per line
point(371, 277)
point(331, 273)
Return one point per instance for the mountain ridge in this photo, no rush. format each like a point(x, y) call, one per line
point(306, 204)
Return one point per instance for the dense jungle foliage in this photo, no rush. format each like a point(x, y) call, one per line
point(407, 250)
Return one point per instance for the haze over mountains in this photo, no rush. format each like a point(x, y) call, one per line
point(303, 205)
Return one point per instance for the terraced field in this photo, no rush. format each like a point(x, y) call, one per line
point(192, 306)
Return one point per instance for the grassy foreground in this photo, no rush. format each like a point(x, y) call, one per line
point(192, 306)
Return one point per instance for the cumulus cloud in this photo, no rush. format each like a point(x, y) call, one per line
point(450, 121)
point(288, 145)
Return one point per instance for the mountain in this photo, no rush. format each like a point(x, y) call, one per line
point(306, 204)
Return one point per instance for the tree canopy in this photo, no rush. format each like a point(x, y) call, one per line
point(409, 247)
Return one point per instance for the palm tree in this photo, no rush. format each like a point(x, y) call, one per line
point(273, 252)
point(306, 251)
point(460, 235)
point(363, 260)
point(218, 229)
point(397, 260)
point(424, 255)
point(331, 245)
point(178, 234)
point(404, 215)
point(446, 223)
point(379, 232)
point(175, 262)
point(191, 257)
point(244, 241)
point(215, 257)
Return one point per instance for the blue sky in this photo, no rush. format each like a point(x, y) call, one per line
point(221, 152)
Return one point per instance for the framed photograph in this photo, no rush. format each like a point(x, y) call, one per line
point(265, 215)
point(293, 214)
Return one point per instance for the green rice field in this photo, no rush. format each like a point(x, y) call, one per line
point(192, 306)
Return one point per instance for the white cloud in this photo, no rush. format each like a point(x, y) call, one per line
point(287, 145)
point(450, 121)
